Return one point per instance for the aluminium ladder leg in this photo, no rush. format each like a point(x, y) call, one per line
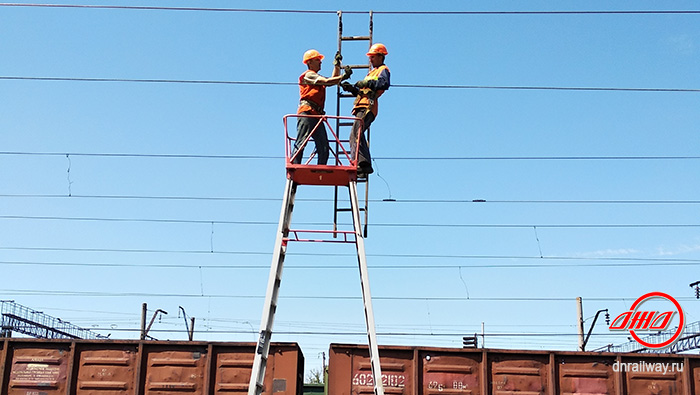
point(366, 295)
point(257, 376)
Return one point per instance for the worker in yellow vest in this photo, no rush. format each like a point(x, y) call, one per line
point(367, 91)
point(312, 92)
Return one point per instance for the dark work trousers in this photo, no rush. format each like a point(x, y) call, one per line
point(304, 127)
point(363, 157)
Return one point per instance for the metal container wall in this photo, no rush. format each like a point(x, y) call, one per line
point(445, 371)
point(99, 367)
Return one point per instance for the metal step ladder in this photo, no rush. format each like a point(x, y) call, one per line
point(339, 99)
point(342, 174)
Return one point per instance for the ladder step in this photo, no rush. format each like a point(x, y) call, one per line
point(346, 95)
point(349, 209)
point(358, 66)
point(346, 123)
point(355, 38)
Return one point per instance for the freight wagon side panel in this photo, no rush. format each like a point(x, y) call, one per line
point(172, 370)
point(647, 374)
point(450, 373)
point(34, 369)
point(105, 369)
point(350, 371)
point(585, 374)
point(122, 367)
point(233, 366)
point(526, 373)
point(445, 371)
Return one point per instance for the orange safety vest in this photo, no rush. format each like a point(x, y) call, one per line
point(367, 98)
point(315, 94)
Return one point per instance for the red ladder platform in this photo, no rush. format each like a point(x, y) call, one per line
point(344, 167)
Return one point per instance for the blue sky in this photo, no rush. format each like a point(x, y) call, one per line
point(588, 192)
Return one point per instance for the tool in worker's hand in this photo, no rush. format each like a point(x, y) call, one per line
point(347, 73)
point(338, 59)
point(347, 87)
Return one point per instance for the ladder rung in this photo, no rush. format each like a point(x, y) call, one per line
point(358, 66)
point(346, 95)
point(346, 123)
point(355, 38)
point(348, 209)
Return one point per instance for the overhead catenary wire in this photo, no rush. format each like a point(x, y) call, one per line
point(384, 255)
point(333, 12)
point(632, 262)
point(643, 261)
point(419, 86)
point(270, 199)
point(407, 158)
point(387, 225)
point(317, 297)
point(386, 333)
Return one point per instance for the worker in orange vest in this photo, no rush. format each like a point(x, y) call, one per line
point(367, 91)
point(312, 92)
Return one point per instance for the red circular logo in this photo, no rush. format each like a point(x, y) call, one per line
point(637, 303)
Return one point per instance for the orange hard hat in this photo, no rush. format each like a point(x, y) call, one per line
point(377, 49)
point(312, 54)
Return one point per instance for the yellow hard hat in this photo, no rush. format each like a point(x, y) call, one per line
point(312, 54)
point(377, 49)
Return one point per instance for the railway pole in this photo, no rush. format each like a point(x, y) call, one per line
point(579, 304)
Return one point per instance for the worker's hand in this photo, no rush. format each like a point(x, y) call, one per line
point(347, 87)
point(362, 84)
point(338, 59)
point(347, 73)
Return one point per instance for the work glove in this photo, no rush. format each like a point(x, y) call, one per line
point(347, 73)
point(338, 59)
point(362, 84)
point(347, 87)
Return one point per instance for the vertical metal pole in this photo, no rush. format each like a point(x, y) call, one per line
point(579, 305)
point(483, 336)
point(144, 307)
point(366, 295)
point(257, 375)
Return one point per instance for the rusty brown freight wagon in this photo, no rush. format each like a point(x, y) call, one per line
point(99, 367)
point(446, 371)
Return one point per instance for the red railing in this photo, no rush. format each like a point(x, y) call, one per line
point(341, 167)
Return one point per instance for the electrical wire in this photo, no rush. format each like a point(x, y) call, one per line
point(268, 199)
point(419, 86)
point(642, 261)
point(300, 11)
point(317, 297)
point(634, 263)
point(406, 158)
point(379, 225)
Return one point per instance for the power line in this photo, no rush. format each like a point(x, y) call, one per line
point(407, 158)
point(398, 200)
point(641, 262)
point(418, 86)
point(383, 225)
point(301, 11)
point(317, 297)
point(389, 255)
point(349, 333)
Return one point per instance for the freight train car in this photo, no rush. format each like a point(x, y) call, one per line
point(99, 367)
point(444, 371)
